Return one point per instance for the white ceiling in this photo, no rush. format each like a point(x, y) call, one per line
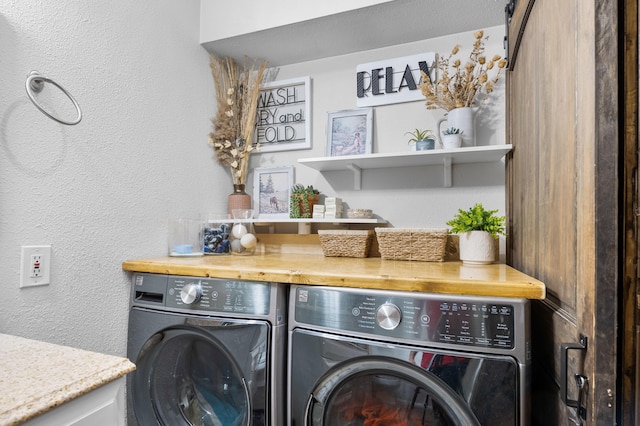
point(386, 24)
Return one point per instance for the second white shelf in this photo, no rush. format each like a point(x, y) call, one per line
point(304, 225)
point(258, 220)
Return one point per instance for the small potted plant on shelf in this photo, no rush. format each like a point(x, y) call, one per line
point(424, 139)
point(302, 200)
point(452, 138)
point(478, 229)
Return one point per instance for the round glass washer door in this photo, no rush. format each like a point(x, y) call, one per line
point(186, 377)
point(384, 391)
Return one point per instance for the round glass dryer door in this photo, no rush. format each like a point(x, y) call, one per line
point(376, 390)
point(187, 377)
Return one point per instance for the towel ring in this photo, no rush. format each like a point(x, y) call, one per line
point(35, 83)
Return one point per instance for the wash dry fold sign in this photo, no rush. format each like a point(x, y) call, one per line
point(393, 81)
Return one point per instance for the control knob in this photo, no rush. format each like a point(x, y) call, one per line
point(388, 316)
point(191, 293)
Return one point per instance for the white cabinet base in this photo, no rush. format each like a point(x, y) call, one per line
point(103, 406)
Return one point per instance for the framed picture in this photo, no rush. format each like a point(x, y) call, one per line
point(271, 190)
point(284, 115)
point(349, 132)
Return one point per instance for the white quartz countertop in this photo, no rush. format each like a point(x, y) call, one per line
point(37, 376)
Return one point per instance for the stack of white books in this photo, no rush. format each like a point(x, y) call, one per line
point(332, 208)
point(318, 211)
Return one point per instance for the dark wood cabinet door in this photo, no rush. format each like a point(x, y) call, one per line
point(563, 196)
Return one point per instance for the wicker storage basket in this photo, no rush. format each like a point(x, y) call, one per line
point(345, 243)
point(427, 244)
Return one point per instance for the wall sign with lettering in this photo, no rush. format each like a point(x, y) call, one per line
point(284, 115)
point(393, 81)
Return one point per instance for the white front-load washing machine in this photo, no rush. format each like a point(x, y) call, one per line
point(208, 352)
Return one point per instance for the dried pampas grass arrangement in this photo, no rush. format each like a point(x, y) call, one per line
point(237, 90)
point(459, 85)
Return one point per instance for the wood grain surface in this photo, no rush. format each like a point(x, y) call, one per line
point(315, 269)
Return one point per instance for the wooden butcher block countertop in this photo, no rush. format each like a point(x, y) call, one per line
point(308, 266)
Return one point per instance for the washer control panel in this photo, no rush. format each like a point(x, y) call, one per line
point(201, 294)
point(458, 320)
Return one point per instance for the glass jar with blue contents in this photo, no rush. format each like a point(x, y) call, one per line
point(215, 235)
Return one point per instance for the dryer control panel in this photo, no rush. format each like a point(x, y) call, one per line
point(457, 320)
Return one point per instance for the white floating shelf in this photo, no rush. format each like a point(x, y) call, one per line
point(444, 157)
point(304, 225)
point(258, 221)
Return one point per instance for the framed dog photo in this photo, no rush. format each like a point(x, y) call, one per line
point(271, 190)
point(349, 132)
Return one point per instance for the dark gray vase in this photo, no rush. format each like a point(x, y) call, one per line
point(425, 144)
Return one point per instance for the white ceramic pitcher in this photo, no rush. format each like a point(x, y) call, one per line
point(463, 119)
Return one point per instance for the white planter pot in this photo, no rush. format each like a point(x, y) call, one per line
point(477, 248)
point(451, 141)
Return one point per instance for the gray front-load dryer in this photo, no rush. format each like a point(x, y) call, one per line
point(208, 352)
point(378, 357)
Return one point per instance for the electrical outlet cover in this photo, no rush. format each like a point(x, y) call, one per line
point(29, 277)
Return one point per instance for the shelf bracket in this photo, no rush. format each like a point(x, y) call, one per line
point(304, 227)
point(357, 176)
point(447, 172)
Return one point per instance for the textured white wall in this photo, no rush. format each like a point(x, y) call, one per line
point(406, 197)
point(102, 191)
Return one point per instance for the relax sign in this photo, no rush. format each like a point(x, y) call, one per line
point(394, 80)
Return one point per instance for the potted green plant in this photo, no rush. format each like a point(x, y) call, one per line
point(302, 200)
point(424, 139)
point(452, 138)
point(478, 229)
